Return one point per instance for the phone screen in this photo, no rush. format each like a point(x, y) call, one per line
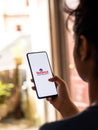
point(41, 72)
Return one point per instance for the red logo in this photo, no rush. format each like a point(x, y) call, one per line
point(42, 72)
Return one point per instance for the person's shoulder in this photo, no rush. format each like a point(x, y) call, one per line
point(57, 125)
point(85, 120)
point(91, 111)
point(70, 124)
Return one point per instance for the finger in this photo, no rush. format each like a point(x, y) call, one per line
point(57, 80)
point(49, 99)
point(33, 88)
point(32, 80)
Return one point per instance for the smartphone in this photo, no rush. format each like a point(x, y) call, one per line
point(41, 71)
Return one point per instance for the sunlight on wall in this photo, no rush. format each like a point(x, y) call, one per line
point(40, 32)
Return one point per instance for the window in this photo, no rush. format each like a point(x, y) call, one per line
point(62, 51)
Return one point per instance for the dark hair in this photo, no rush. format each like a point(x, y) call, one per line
point(86, 19)
point(86, 23)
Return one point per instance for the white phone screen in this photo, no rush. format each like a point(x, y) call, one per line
point(41, 72)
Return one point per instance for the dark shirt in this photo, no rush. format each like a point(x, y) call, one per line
point(86, 120)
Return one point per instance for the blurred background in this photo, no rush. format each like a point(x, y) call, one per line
point(34, 25)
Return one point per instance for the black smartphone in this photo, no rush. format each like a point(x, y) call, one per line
point(41, 71)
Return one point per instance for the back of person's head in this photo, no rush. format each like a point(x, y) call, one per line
point(86, 19)
point(86, 22)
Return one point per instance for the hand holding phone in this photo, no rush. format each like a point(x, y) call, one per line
point(41, 71)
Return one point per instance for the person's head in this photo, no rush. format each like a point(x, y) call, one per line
point(86, 37)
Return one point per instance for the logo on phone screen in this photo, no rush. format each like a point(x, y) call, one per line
point(42, 72)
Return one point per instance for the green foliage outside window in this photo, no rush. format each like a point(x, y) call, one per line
point(5, 91)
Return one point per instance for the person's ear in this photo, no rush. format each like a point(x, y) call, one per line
point(83, 50)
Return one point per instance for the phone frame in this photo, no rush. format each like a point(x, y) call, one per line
point(28, 59)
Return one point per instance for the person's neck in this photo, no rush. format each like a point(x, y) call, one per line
point(93, 93)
